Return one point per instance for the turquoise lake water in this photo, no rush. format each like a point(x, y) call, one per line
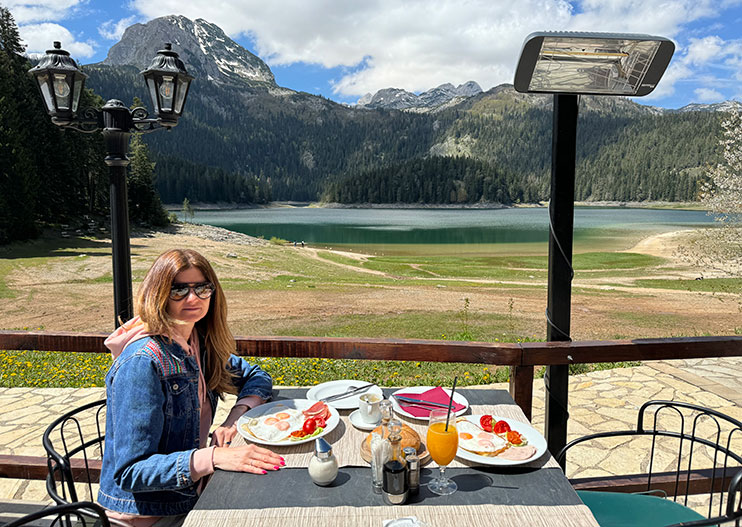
point(390, 229)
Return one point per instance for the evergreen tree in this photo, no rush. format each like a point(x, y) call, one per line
point(18, 183)
point(145, 206)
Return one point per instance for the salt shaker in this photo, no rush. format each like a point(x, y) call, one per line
point(323, 467)
point(413, 469)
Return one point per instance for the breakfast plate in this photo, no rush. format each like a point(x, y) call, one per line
point(272, 423)
point(535, 440)
point(418, 390)
point(330, 388)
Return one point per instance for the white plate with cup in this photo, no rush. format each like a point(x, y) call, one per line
point(330, 388)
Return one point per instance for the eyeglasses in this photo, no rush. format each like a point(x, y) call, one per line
point(203, 290)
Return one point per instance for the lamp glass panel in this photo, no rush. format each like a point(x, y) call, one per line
point(167, 89)
point(46, 93)
point(62, 91)
point(152, 85)
point(611, 66)
point(76, 94)
point(180, 94)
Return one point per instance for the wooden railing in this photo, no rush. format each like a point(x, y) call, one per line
point(521, 358)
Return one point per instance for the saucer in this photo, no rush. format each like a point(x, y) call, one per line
point(355, 420)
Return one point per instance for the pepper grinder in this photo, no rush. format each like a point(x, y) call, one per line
point(323, 467)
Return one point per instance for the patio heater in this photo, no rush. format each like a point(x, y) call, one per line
point(61, 83)
point(569, 64)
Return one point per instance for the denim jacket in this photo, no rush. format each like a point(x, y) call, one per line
point(152, 426)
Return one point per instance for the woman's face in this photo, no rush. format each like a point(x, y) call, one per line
point(190, 309)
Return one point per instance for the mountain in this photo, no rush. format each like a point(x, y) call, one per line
point(397, 99)
point(243, 136)
point(209, 53)
point(726, 106)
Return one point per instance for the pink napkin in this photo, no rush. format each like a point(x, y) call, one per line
point(434, 395)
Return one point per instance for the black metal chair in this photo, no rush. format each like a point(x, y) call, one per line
point(79, 514)
point(74, 447)
point(684, 449)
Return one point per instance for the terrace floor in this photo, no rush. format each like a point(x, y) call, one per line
point(601, 400)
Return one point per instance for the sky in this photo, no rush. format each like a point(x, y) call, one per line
point(343, 49)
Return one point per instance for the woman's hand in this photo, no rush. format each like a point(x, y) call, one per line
point(223, 435)
point(250, 458)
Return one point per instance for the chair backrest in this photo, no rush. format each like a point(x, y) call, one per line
point(79, 514)
point(74, 447)
point(683, 448)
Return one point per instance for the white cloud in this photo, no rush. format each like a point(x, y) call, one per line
point(39, 37)
point(111, 30)
point(419, 44)
point(656, 17)
point(708, 95)
point(700, 51)
point(25, 12)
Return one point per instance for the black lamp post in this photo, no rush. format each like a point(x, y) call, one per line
point(568, 64)
point(61, 83)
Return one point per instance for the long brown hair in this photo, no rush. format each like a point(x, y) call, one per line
point(151, 306)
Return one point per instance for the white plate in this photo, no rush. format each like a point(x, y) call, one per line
point(329, 388)
point(268, 408)
point(355, 420)
point(531, 434)
point(457, 398)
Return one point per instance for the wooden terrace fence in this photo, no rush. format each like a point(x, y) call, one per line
point(522, 358)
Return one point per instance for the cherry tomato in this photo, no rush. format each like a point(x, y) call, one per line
point(321, 423)
point(310, 425)
point(501, 427)
point(514, 437)
point(486, 423)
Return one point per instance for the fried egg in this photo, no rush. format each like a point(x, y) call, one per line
point(474, 439)
point(276, 425)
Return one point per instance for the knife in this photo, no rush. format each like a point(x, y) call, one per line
point(418, 401)
point(346, 394)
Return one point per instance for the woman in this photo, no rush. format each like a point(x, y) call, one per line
point(171, 363)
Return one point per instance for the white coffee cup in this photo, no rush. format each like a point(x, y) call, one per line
point(369, 408)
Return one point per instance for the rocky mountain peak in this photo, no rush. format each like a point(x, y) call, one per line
point(398, 99)
point(209, 54)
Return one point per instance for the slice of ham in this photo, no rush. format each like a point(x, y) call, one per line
point(318, 409)
point(518, 453)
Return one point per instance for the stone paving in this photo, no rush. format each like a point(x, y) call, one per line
point(602, 400)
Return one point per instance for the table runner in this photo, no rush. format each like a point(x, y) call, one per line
point(465, 515)
point(346, 440)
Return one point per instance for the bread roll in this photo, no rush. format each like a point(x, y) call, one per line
point(409, 437)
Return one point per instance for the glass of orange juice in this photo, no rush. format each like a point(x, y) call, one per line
point(443, 441)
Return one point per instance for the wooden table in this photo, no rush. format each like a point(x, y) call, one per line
point(537, 494)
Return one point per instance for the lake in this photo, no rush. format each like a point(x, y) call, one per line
point(451, 231)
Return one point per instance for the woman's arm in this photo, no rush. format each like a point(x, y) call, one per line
point(250, 379)
point(136, 404)
point(254, 387)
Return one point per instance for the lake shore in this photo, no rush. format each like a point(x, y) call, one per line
point(174, 207)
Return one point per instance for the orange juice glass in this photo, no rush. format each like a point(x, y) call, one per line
point(443, 441)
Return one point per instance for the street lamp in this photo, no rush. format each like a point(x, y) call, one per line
point(61, 82)
point(568, 64)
